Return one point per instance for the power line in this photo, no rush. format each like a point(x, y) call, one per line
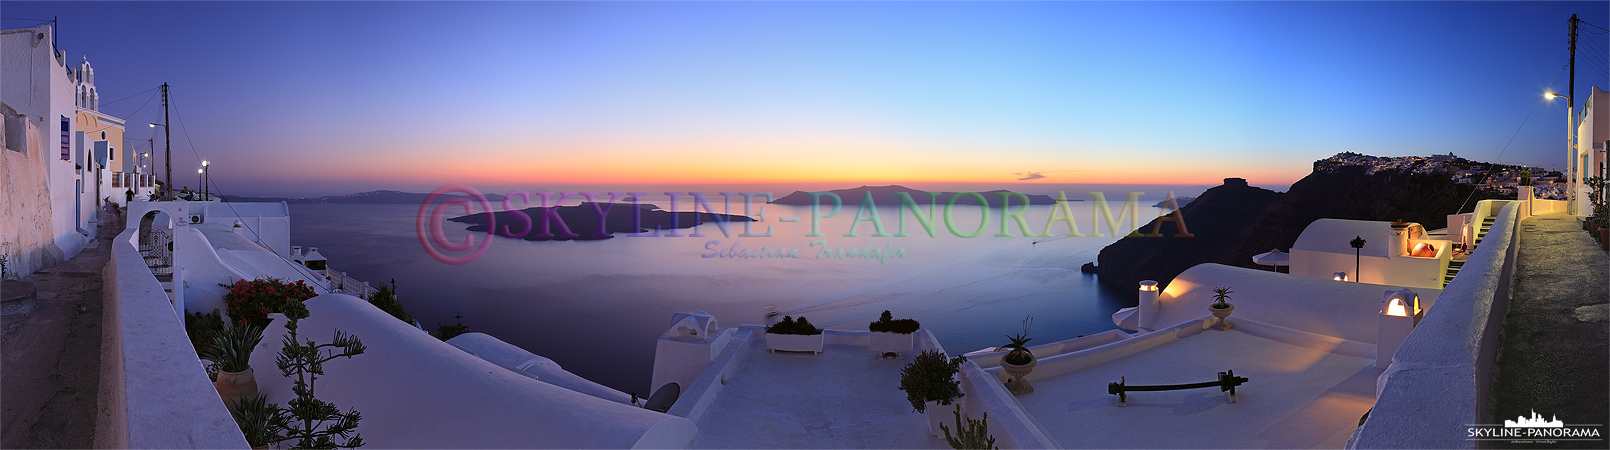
point(131, 96)
point(320, 283)
point(1602, 30)
point(1500, 157)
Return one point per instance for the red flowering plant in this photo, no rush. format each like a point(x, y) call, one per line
point(249, 302)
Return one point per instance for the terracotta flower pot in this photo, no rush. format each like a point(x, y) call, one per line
point(234, 386)
point(1016, 384)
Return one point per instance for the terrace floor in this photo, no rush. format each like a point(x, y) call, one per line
point(1555, 339)
point(1295, 397)
point(844, 397)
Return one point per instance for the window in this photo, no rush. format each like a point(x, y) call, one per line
point(66, 139)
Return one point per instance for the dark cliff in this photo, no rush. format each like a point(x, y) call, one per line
point(1233, 222)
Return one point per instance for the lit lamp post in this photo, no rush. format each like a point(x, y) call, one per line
point(206, 177)
point(200, 178)
point(1570, 152)
point(1400, 312)
point(1146, 309)
point(1358, 252)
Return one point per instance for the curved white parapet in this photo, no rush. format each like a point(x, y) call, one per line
point(522, 362)
point(696, 326)
point(1340, 309)
point(1439, 379)
point(154, 391)
point(991, 357)
point(415, 391)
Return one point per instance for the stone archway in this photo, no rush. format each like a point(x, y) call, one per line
point(156, 243)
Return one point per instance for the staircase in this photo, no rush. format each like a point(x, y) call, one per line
point(1453, 269)
point(1454, 266)
point(1482, 232)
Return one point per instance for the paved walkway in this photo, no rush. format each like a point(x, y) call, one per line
point(1554, 350)
point(52, 356)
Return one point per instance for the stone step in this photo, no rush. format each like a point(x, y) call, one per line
point(19, 297)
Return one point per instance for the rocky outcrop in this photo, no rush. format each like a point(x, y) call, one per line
point(1233, 222)
point(582, 221)
point(1216, 219)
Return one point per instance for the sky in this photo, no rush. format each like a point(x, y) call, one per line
point(311, 98)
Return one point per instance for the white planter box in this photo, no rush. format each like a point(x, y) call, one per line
point(884, 342)
point(794, 342)
point(942, 414)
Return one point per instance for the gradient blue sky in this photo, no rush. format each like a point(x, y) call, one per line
point(304, 98)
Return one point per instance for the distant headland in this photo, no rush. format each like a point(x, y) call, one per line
point(581, 222)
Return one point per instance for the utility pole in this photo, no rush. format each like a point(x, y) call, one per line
point(1570, 128)
point(168, 145)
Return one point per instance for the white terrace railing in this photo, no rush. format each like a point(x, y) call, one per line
point(154, 393)
point(1437, 384)
point(340, 281)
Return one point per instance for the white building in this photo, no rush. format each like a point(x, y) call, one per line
point(1403, 255)
point(51, 211)
point(1587, 159)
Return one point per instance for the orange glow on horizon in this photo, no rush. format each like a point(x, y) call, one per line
point(680, 165)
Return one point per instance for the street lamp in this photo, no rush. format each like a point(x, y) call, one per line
point(206, 178)
point(200, 178)
point(1570, 151)
point(167, 161)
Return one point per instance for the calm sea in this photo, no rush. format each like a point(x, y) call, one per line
point(596, 307)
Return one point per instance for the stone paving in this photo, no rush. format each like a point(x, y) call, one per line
point(1554, 349)
point(50, 374)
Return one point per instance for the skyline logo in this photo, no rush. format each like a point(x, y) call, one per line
point(1534, 430)
point(1536, 421)
point(550, 221)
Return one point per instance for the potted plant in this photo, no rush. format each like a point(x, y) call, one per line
point(931, 386)
point(232, 350)
point(1220, 308)
point(1020, 361)
point(794, 336)
point(259, 420)
point(973, 435)
point(252, 301)
point(893, 336)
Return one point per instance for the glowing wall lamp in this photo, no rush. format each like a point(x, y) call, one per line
point(1400, 312)
point(1146, 311)
point(1339, 276)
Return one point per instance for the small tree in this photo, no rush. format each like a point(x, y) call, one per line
point(445, 332)
point(310, 422)
point(973, 435)
point(931, 377)
point(385, 298)
point(1596, 198)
